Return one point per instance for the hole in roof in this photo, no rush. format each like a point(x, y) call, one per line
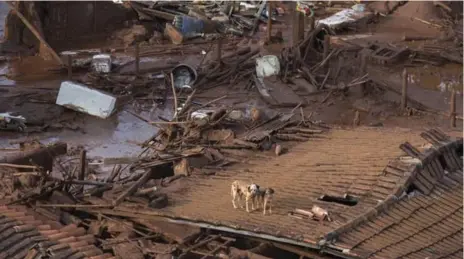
point(346, 199)
point(459, 151)
point(442, 160)
point(412, 191)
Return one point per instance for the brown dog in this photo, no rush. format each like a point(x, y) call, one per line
point(241, 189)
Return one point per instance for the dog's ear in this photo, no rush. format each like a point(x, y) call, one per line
point(257, 187)
point(249, 188)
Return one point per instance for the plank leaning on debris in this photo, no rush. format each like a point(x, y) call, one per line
point(35, 32)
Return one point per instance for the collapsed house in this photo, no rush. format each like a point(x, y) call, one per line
point(341, 190)
point(64, 25)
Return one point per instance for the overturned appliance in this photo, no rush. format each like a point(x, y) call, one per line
point(81, 98)
point(11, 122)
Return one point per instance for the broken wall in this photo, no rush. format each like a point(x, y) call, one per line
point(66, 24)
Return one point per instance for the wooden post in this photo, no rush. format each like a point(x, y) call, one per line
point(258, 15)
point(82, 167)
point(219, 50)
point(298, 26)
point(326, 49)
point(312, 23)
point(137, 58)
point(326, 46)
point(404, 92)
point(363, 72)
point(302, 26)
point(82, 164)
point(69, 67)
point(453, 109)
point(269, 21)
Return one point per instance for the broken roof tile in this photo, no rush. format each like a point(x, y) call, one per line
point(22, 229)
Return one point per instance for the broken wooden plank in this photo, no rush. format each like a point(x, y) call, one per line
point(35, 32)
point(42, 157)
point(177, 232)
point(131, 190)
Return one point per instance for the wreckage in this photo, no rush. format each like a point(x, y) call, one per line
point(348, 188)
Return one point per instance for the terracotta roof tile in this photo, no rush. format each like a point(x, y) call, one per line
point(21, 229)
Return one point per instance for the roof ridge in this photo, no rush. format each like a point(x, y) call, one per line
point(425, 174)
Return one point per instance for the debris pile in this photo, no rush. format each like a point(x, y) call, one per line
point(214, 131)
point(196, 139)
point(74, 193)
point(187, 20)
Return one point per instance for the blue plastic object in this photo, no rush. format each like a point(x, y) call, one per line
point(188, 25)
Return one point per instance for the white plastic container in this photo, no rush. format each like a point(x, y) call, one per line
point(267, 66)
point(83, 99)
point(101, 63)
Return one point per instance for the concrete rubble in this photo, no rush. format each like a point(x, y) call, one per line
point(123, 129)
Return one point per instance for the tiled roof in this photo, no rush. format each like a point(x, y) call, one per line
point(344, 161)
point(24, 233)
point(418, 227)
point(366, 163)
point(427, 223)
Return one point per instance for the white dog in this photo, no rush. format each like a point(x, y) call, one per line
point(241, 189)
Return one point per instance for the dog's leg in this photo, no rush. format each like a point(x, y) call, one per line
point(247, 199)
point(252, 203)
point(240, 198)
point(264, 206)
point(270, 207)
point(233, 203)
point(234, 196)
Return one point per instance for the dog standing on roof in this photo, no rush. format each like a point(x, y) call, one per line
point(242, 190)
point(264, 198)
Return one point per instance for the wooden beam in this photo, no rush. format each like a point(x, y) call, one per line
point(269, 21)
point(35, 32)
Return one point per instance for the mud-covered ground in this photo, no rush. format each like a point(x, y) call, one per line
point(122, 134)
